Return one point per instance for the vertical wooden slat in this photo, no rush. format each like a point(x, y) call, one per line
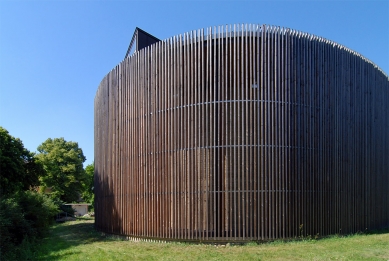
point(242, 132)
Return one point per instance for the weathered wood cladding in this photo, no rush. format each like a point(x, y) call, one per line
point(242, 132)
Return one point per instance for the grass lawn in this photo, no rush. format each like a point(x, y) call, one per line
point(77, 240)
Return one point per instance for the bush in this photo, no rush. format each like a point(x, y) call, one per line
point(63, 210)
point(24, 215)
point(39, 211)
point(13, 225)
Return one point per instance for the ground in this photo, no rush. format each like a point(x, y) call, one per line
point(77, 240)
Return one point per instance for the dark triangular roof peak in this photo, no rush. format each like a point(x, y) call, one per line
point(140, 40)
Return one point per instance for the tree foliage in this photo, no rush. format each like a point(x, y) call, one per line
point(18, 167)
point(23, 215)
point(88, 186)
point(62, 161)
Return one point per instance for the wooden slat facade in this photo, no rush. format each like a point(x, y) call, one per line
point(242, 132)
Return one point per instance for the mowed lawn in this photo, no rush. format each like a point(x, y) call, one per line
point(77, 240)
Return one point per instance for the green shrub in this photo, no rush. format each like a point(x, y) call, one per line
point(63, 210)
point(24, 214)
point(13, 225)
point(39, 211)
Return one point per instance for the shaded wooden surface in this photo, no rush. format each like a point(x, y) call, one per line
point(242, 132)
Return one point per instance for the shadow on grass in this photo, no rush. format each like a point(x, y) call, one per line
point(377, 232)
point(64, 236)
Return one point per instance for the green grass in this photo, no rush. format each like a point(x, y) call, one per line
point(77, 240)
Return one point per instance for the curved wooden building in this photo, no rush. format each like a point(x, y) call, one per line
point(242, 132)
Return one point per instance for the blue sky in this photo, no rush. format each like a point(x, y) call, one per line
point(53, 54)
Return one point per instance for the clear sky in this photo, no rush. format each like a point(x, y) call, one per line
point(53, 54)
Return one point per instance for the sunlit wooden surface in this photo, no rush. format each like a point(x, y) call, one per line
point(242, 132)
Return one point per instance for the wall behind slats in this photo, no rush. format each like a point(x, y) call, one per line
point(242, 132)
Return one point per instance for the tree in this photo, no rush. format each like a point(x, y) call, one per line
point(62, 161)
point(18, 168)
point(24, 215)
point(88, 186)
